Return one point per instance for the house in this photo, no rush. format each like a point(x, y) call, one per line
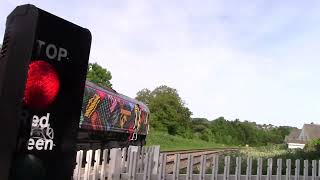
point(299, 137)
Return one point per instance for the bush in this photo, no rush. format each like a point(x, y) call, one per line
point(187, 133)
point(313, 145)
point(206, 135)
point(172, 129)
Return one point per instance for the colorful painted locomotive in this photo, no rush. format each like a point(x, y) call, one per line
point(110, 119)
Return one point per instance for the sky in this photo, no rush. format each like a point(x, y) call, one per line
point(253, 60)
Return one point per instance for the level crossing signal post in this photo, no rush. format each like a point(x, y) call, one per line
point(43, 66)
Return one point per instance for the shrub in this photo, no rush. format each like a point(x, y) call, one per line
point(313, 145)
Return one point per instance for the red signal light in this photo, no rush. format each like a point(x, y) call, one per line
point(42, 85)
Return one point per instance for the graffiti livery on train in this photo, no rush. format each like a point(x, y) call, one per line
point(106, 110)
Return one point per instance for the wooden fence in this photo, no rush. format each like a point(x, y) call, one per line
point(147, 163)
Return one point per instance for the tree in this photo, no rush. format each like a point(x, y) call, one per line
point(168, 111)
point(99, 75)
point(144, 96)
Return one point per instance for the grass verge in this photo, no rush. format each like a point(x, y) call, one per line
point(170, 143)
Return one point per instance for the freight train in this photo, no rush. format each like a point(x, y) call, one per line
point(110, 119)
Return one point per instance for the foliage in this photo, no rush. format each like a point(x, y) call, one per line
point(276, 152)
point(264, 151)
point(313, 146)
point(168, 111)
point(236, 132)
point(144, 96)
point(99, 75)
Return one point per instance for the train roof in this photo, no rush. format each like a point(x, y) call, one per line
point(115, 93)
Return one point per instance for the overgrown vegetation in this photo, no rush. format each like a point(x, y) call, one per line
point(170, 114)
point(170, 117)
point(169, 142)
point(275, 152)
point(263, 151)
point(310, 152)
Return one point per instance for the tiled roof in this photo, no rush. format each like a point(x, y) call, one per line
point(312, 130)
point(293, 136)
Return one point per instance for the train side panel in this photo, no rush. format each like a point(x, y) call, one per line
point(106, 111)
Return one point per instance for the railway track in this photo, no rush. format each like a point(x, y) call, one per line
point(196, 150)
point(172, 155)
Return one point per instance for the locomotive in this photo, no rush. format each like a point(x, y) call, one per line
point(111, 120)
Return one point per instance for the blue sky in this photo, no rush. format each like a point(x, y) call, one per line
point(253, 60)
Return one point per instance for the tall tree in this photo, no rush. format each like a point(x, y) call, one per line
point(168, 111)
point(144, 96)
point(99, 75)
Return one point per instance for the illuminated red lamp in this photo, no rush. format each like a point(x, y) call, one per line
point(42, 85)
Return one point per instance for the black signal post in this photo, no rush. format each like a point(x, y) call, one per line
point(43, 66)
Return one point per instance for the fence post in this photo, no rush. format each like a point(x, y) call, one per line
point(138, 160)
point(249, 168)
point(96, 164)
point(130, 163)
point(226, 168)
point(319, 168)
point(104, 164)
point(259, 169)
point(77, 169)
point(114, 164)
point(143, 158)
point(147, 167)
point(269, 170)
point(132, 166)
point(203, 163)
point(288, 171)
point(305, 169)
point(176, 167)
point(279, 169)
point(130, 149)
point(87, 170)
point(123, 160)
point(162, 168)
point(297, 170)
point(155, 163)
point(215, 167)
point(189, 167)
point(314, 169)
point(238, 168)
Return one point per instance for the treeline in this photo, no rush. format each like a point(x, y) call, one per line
point(169, 113)
point(236, 132)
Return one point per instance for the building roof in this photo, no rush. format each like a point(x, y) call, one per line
point(293, 136)
point(312, 130)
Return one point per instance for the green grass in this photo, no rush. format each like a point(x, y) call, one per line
point(264, 151)
point(169, 143)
